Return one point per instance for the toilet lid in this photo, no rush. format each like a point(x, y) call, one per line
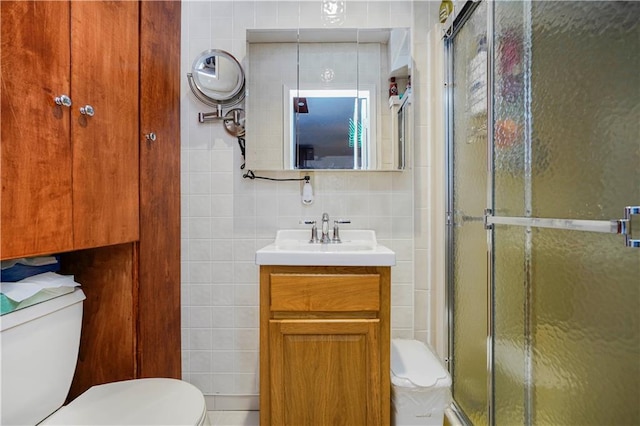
point(135, 402)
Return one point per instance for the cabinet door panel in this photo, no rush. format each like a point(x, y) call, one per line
point(36, 151)
point(104, 74)
point(159, 323)
point(325, 372)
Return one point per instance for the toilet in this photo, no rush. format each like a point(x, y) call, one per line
point(40, 346)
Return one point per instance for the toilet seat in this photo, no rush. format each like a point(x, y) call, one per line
point(156, 401)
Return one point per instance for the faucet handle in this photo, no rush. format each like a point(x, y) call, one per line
point(314, 230)
point(336, 230)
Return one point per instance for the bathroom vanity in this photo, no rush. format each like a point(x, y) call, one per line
point(324, 333)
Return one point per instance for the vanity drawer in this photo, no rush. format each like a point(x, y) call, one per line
point(325, 292)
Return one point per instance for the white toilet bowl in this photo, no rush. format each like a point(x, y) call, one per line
point(135, 402)
point(39, 354)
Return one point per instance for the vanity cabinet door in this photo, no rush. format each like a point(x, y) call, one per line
point(325, 372)
point(36, 151)
point(105, 75)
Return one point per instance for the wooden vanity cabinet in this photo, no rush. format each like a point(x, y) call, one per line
point(69, 180)
point(324, 345)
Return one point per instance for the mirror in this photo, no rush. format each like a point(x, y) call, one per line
point(217, 79)
point(319, 99)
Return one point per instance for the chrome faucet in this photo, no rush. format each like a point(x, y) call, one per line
point(325, 229)
point(324, 238)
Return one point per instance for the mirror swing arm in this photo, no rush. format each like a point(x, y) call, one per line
point(234, 115)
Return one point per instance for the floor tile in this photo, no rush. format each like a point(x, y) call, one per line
point(234, 418)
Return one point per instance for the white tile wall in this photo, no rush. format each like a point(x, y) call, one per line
point(225, 218)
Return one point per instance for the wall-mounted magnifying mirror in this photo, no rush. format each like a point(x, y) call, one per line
point(217, 78)
point(320, 99)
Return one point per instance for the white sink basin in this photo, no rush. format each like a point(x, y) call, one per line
point(358, 248)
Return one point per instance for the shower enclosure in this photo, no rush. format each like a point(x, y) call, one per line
point(543, 238)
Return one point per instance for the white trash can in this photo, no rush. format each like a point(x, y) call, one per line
point(420, 385)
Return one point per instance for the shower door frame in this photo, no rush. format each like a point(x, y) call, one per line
point(453, 26)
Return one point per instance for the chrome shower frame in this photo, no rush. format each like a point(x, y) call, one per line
point(452, 27)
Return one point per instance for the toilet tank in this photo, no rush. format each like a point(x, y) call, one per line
point(39, 353)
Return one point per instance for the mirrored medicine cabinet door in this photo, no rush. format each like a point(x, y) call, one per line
point(319, 99)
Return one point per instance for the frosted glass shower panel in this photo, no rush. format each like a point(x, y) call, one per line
point(566, 145)
point(589, 171)
point(566, 97)
point(470, 324)
point(510, 363)
point(469, 201)
point(510, 110)
point(586, 142)
point(585, 330)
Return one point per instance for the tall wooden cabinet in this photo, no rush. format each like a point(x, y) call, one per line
point(324, 345)
point(92, 187)
point(69, 178)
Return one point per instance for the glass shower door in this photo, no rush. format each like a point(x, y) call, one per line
point(559, 341)
point(566, 162)
point(468, 200)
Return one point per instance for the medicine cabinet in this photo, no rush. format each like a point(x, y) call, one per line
point(319, 99)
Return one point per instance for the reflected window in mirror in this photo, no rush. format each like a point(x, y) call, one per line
point(330, 129)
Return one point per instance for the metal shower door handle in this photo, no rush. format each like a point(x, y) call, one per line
point(625, 227)
point(620, 226)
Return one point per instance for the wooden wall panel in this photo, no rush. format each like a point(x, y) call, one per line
point(159, 341)
point(107, 344)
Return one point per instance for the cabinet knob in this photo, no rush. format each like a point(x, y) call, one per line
point(87, 110)
point(151, 137)
point(63, 100)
